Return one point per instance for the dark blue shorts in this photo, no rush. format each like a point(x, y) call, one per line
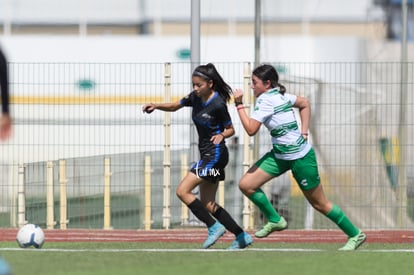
point(211, 165)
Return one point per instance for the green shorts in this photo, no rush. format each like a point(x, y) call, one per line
point(304, 170)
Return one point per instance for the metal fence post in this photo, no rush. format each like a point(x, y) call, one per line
point(63, 197)
point(184, 170)
point(21, 198)
point(167, 151)
point(147, 192)
point(107, 194)
point(248, 210)
point(50, 223)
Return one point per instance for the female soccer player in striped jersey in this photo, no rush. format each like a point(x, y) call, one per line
point(291, 151)
point(212, 120)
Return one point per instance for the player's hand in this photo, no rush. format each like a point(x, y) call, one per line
point(217, 139)
point(148, 108)
point(238, 95)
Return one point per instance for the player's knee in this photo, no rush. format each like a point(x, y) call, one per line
point(321, 207)
point(179, 192)
point(244, 186)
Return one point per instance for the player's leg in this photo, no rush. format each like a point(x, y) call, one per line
point(183, 191)
point(208, 192)
point(306, 174)
point(250, 184)
point(318, 200)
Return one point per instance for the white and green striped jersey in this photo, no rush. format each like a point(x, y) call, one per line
point(275, 111)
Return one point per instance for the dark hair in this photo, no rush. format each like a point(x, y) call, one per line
point(266, 72)
point(209, 72)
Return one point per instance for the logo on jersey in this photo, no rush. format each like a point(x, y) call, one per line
point(257, 106)
point(206, 116)
point(304, 182)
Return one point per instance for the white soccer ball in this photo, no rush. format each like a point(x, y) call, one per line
point(30, 235)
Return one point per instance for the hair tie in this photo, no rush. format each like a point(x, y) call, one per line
point(197, 73)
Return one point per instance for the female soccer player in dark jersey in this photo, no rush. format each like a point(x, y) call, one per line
point(5, 120)
point(212, 119)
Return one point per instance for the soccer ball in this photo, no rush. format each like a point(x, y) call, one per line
point(30, 235)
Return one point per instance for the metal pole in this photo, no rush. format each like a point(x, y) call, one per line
point(257, 37)
point(195, 61)
point(402, 173)
point(7, 22)
point(256, 138)
point(195, 33)
point(257, 32)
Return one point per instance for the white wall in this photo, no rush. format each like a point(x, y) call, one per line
point(164, 49)
point(157, 49)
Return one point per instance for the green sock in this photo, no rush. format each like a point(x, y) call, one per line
point(260, 199)
point(338, 216)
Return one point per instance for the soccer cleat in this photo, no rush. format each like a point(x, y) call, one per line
point(270, 227)
point(354, 242)
point(242, 240)
point(214, 233)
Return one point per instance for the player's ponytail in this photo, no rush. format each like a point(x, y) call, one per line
point(282, 89)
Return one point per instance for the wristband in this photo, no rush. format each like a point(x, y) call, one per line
point(239, 107)
point(222, 135)
point(305, 134)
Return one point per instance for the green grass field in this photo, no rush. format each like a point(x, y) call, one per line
point(184, 258)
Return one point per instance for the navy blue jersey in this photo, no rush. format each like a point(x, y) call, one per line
point(210, 118)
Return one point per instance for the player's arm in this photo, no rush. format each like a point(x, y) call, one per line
point(250, 125)
point(227, 132)
point(303, 105)
point(167, 107)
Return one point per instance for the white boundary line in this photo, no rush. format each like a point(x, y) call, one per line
point(161, 250)
point(174, 250)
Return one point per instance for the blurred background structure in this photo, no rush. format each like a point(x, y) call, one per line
point(366, 18)
point(364, 27)
point(160, 30)
point(83, 155)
